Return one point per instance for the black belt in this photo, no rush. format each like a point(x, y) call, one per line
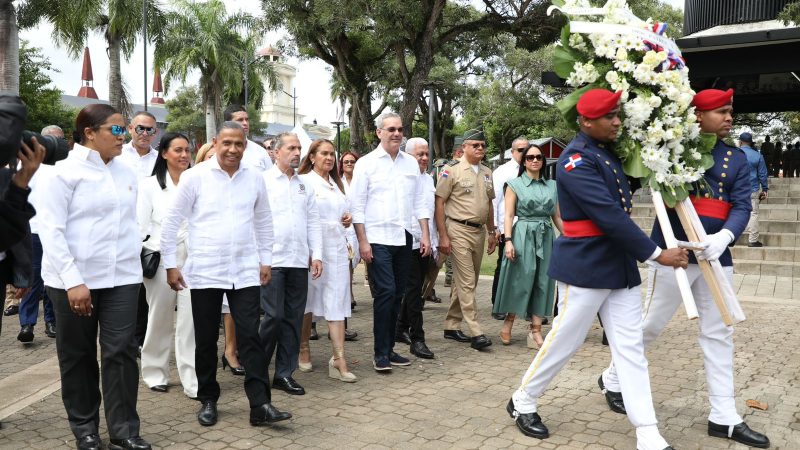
point(467, 223)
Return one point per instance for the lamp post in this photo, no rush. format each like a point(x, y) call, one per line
point(144, 39)
point(294, 104)
point(338, 124)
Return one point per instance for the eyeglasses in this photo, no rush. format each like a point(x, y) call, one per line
point(116, 130)
point(349, 162)
point(478, 145)
point(393, 129)
point(530, 158)
point(149, 130)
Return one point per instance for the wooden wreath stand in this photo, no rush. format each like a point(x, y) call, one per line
point(721, 290)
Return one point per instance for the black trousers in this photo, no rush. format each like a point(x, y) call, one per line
point(284, 303)
point(388, 274)
point(142, 311)
point(206, 312)
point(501, 245)
point(114, 312)
point(410, 315)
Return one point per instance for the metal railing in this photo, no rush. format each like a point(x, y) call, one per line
point(701, 15)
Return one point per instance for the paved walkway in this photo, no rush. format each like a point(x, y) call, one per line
point(454, 401)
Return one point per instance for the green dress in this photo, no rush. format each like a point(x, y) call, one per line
point(524, 288)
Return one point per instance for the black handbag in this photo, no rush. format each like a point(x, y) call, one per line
point(150, 261)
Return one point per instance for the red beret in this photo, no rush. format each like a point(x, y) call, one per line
point(597, 103)
point(709, 99)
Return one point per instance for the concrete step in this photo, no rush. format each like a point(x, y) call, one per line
point(769, 268)
point(772, 254)
point(774, 239)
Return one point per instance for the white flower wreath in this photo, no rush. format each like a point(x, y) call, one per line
point(660, 140)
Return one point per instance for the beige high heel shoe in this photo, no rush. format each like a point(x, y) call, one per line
point(535, 337)
point(505, 332)
point(335, 373)
point(305, 366)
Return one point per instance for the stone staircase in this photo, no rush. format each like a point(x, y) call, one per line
point(779, 226)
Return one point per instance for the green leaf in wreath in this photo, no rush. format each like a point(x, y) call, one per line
point(707, 143)
point(680, 193)
point(566, 106)
point(558, 3)
point(632, 163)
point(565, 35)
point(564, 60)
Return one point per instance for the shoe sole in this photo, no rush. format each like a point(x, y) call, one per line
point(256, 423)
point(381, 369)
point(452, 338)
point(724, 435)
point(423, 356)
point(400, 364)
point(209, 424)
point(481, 347)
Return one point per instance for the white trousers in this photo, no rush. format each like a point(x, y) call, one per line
point(163, 326)
point(716, 339)
point(621, 313)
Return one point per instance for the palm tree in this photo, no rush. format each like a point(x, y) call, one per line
point(201, 36)
point(120, 21)
point(9, 48)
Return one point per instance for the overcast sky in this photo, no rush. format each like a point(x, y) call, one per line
point(313, 76)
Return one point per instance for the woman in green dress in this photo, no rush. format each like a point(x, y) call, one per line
point(524, 288)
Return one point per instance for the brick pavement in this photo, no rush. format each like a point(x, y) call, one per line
point(456, 400)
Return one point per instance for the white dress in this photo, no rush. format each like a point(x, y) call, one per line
point(329, 295)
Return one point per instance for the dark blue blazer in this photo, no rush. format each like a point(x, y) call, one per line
point(728, 180)
point(598, 190)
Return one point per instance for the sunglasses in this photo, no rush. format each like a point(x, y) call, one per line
point(393, 129)
point(531, 158)
point(116, 130)
point(521, 149)
point(349, 162)
point(477, 146)
point(149, 130)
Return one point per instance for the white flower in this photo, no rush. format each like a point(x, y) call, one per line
point(576, 41)
point(625, 66)
point(583, 74)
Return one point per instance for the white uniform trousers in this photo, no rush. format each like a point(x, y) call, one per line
point(716, 339)
point(162, 325)
point(621, 313)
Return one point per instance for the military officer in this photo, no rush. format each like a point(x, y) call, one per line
point(594, 262)
point(724, 211)
point(464, 196)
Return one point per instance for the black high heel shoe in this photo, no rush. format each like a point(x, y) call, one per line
point(234, 370)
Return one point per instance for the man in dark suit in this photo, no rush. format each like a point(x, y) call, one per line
point(594, 262)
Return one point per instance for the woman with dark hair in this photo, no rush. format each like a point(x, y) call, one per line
point(346, 164)
point(524, 289)
point(329, 294)
point(92, 273)
point(156, 193)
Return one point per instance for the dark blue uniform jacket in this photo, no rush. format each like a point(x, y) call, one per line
point(729, 180)
point(596, 189)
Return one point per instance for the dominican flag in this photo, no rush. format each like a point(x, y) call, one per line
point(659, 28)
point(573, 162)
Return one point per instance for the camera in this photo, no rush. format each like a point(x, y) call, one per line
point(56, 149)
point(13, 115)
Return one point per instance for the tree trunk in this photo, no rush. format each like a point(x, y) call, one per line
point(364, 127)
point(211, 115)
point(9, 48)
point(116, 90)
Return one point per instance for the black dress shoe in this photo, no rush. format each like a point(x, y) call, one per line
point(159, 388)
point(288, 385)
point(614, 399)
point(421, 350)
point(11, 310)
point(50, 329)
point(89, 442)
point(456, 335)
point(207, 415)
point(134, 443)
point(740, 433)
point(498, 316)
point(403, 337)
point(314, 335)
point(479, 342)
point(267, 413)
point(350, 335)
point(529, 423)
point(26, 334)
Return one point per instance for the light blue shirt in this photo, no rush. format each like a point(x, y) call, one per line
point(758, 169)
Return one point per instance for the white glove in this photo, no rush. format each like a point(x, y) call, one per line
point(716, 245)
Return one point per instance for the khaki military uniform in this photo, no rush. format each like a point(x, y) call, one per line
point(467, 207)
